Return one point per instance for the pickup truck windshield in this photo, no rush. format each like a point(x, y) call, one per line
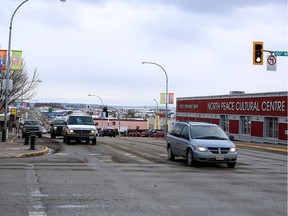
point(31, 123)
point(80, 120)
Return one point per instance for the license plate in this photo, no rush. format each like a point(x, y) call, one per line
point(220, 157)
point(91, 137)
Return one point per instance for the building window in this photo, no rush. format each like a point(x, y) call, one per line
point(245, 126)
point(271, 127)
point(224, 122)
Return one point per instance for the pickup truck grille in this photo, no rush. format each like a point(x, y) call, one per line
point(82, 131)
point(32, 129)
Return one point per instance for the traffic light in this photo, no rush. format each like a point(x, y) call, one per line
point(257, 53)
point(105, 111)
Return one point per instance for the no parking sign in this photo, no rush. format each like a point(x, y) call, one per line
point(271, 63)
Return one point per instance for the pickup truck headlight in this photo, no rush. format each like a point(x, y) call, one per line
point(233, 150)
point(71, 131)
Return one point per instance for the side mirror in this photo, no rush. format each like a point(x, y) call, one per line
point(96, 123)
point(64, 123)
point(231, 138)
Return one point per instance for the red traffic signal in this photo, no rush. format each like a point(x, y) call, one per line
point(258, 53)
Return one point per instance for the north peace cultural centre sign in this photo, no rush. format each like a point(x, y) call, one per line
point(274, 106)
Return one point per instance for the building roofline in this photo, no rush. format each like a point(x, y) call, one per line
point(242, 95)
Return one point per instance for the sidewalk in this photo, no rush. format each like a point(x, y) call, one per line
point(12, 149)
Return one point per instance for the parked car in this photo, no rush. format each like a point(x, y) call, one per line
point(31, 126)
point(147, 133)
point(107, 131)
point(56, 128)
point(79, 127)
point(157, 133)
point(200, 142)
point(152, 133)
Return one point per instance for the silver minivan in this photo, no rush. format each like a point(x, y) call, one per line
point(200, 142)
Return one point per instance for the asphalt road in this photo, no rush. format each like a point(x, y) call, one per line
point(129, 176)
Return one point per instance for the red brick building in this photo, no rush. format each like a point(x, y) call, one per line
point(260, 117)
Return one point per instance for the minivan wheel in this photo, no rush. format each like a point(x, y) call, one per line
point(170, 154)
point(231, 165)
point(190, 159)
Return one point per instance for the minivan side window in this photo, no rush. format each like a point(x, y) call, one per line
point(185, 133)
point(177, 128)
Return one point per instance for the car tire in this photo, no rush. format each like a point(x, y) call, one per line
point(231, 165)
point(67, 140)
point(190, 158)
point(94, 141)
point(171, 156)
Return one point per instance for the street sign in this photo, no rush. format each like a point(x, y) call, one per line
point(13, 111)
point(281, 53)
point(271, 63)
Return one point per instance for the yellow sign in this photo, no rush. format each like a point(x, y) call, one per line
point(13, 111)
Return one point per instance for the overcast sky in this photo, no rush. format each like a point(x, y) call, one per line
point(83, 47)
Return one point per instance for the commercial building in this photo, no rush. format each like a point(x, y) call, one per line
point(260, 117)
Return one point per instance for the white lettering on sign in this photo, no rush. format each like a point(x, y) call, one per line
point(189, 106)
point(227, 105)
point(273, 106)
point(214, 106)
point(247, 106)
point(266, 106)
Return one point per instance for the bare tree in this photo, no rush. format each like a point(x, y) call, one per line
point(23, 87)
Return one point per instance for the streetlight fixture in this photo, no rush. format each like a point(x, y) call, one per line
point(8, 70)
point(101, 108)
point(156, 113)
point(166, 96)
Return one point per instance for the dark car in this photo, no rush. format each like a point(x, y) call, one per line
point(56, 128)
point(147, 133)
point(31, 127)
point(153, 133)
point(107, 131)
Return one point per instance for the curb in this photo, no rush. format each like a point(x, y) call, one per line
point(283, 150)
point(37, 153)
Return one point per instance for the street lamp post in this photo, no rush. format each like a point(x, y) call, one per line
point(156, 113)
point(8, 70)
point(166, 97)
point(101, 108)
point(118, 114)
point(7, 74)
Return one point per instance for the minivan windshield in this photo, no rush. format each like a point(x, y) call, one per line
point(80, 120)
point(207, 132)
